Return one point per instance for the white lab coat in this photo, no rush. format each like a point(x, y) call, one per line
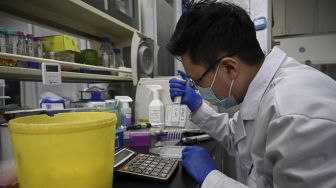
point(285, 128)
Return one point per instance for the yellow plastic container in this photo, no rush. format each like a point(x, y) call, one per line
point(60, 43)
point(70, 150)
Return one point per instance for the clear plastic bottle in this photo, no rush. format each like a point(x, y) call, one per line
point(29, 45)
point(3, 34)
point(38, 47)
point(107, 57)
point(12, 40)
point(118, 58)
point(21, 46)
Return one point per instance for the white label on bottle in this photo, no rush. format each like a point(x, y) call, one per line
point(154, 114)
point(127, 115)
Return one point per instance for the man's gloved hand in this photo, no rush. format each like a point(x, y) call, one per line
point(182, 88)
point(198, 163)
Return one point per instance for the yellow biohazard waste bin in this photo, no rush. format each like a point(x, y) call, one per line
point(65, 151)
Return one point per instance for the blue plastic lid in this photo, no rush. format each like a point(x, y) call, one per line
point(3, 30)
point(105, 39)
point(117, 50)
point(11, 32)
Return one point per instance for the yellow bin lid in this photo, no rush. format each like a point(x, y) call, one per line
point(62, 123)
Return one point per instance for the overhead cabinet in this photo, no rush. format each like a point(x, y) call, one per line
point(297, 17)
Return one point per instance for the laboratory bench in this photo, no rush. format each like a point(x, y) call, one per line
point(180, 178)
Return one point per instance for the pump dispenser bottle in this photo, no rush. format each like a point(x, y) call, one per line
point(156, 107)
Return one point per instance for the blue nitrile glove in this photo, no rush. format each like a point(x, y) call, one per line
point(182, 88)
point(198, 163)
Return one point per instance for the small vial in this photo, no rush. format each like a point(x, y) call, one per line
point(107, 57)
point(29, 45)
point(118, 58)
point(38, 47)
point(21, 46)
point(11, 41)
point(3, 36)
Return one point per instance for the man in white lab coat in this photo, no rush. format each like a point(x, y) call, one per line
point(284, 134)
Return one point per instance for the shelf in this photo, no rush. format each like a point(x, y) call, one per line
point(72, 15)
point(64, 63)
point(18, 73)
point(25, 74)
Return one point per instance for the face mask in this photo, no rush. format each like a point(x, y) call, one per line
point(208, 95)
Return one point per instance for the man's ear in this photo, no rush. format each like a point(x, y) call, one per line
point(232, 66)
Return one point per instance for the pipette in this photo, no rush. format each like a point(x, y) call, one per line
point(175, 119)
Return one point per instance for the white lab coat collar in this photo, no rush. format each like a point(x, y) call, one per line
point(249, 106)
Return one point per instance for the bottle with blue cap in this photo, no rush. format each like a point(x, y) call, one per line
point(107, 57)
point(118, 58)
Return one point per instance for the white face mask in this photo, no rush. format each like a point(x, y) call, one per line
point(208, 95)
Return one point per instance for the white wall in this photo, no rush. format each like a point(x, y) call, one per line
point(148, 18)
point(262, 8)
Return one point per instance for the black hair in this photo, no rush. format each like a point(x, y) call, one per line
point(209, 28)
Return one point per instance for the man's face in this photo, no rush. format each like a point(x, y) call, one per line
point(195, 72)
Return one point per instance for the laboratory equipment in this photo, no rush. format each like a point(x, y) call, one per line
point(60, 47)
point(11, 41)
point(88, 56)
point(147, 166)
point(126, 110)
point(37, 46)
point(143, 59)
point(118, 58)
point(139, 139)
point(107, 57)
point(2, 92)
point(76, 147)
point(119, 141)
point(194, 139)
point(29, 45)
point(175, 119)
point(156, 107)
point(99, 105)
point(52, 104)
point(60, 43)
point(139, 126)
point(168, 151)
point(143, 98)
point(52, 101)
point(21, 43)
point(3, 35)
point(93, 93)
point(51, 74)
